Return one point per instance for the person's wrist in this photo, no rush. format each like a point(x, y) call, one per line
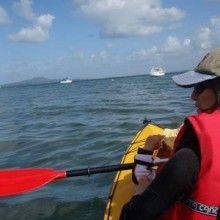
point(148, 147)
point(144, 151)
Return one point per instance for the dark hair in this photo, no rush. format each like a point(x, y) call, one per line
point(217, 91)
point(214, 84)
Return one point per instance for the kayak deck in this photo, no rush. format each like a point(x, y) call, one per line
point(122, 188)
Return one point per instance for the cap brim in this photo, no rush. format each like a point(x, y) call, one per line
point(189, 79)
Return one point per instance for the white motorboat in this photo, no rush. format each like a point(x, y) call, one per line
point(157, 71)
point(66, 81)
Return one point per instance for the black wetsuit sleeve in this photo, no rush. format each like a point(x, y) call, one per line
point(190, 140)
point(175, 180)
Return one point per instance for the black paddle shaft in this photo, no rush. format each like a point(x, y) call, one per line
point(96, 170)
point(107, 169)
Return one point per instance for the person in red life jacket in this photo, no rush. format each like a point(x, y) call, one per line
point(188, 186)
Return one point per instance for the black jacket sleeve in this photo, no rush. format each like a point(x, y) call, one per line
point(175, 180)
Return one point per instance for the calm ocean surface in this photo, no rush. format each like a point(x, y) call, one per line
point(72, 126)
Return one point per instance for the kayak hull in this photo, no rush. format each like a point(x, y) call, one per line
point(122, 188)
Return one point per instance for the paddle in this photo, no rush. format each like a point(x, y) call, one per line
point(18, 181)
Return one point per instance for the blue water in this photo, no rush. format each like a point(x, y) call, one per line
point(72, 126)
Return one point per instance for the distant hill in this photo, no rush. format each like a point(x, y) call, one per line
point(34, 81)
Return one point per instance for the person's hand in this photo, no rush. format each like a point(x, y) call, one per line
point(153, 142)
point(142, 185)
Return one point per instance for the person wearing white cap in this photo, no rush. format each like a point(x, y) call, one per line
point(188, 186)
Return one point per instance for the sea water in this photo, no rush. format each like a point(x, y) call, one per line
point(73, 126)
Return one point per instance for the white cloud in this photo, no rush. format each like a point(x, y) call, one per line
point(45, 21)
point(207, 37)
point(39, 32)
point(143, 54)
point(174, 45)
point(215, 22)
point(203, 38)
point(24, 9)
point(35, 34)
point(124, 18)
point(187, 43)
point(101, 57)
point(171, 45)
point(41, 25)
point(4, 18)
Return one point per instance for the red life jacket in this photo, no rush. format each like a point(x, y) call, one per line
point(204, 200)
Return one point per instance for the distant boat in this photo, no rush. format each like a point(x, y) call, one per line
point(157, 71)
point(63, 81)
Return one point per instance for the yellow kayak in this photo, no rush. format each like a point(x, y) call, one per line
point(122, 187)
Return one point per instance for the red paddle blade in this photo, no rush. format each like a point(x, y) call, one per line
point(14, 182)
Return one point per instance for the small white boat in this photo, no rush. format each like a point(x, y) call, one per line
point(66, 81)
point(157, 71)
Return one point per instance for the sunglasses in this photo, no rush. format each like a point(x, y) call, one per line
point(200, 88)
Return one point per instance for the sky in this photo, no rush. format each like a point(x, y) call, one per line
point(86, 39)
